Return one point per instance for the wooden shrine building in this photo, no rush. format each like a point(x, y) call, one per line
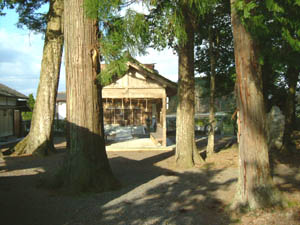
point(139, 98)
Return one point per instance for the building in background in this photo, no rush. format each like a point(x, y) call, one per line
point(12, 103)
point(138, 98)
point(60, 109)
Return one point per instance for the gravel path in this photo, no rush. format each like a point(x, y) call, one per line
point(153, 192)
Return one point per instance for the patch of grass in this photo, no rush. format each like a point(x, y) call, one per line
point(208, 165)
point(292, 204)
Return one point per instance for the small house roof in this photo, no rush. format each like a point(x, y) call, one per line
point(9, 92)
point(146, 69)
point(61, 97)
point(149, 71)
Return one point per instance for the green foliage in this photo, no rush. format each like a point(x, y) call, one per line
point(201, 122)
point(113, 70)
point(217, 27)
point(30, 14)
point(30, 103)
point(272, 19)
point(275, 26)
point(167, 20)
point(273, 6)
point(125, 31)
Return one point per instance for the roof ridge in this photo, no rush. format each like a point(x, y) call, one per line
point(9, 92)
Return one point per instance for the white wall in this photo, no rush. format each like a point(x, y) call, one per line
point(61, 110)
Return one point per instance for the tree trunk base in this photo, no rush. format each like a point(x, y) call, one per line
point(79, 174)
point(209, 153)
point(28, 146)
point(210, 149)
point(264, 197)
point(189, 162)
point(198, 160)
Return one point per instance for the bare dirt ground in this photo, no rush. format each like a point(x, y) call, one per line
point(153, 192)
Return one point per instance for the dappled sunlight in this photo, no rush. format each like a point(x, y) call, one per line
point(153, 191)
point(183, 198)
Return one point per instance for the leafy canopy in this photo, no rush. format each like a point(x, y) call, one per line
point(126, 32)
point(215, 27)
point(30, 13)
point(265, 18)
point(30, 103)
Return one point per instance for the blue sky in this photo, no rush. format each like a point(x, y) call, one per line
point(21, 56)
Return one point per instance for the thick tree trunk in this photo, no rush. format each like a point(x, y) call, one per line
point(211, 134)
point(39, 139)
point(186, 150)
point(86, 167)
point(255, 188)
point(292, 78)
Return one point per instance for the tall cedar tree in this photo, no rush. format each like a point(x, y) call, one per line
point(275, 26)
point(255, 187)
point(167, 23)
point(39, 140)
point(86, 167)
point(214, 58)
point(173, 24)
point(186, 151)
point(211, 134)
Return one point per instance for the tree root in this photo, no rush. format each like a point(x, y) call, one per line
point(197, 159)
point(263, 197)
point(29, 146)
point(80, 175)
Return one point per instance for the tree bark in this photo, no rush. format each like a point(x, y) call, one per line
point(255, 187)
point(292, 79)
point(211, 134)
point(186, 150)
point(86, 167)
point(39, 139)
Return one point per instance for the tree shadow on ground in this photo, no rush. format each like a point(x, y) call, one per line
point(285, 169)
point(287, 178)
point(188, 197)
point(220, 143)
point(150, 194)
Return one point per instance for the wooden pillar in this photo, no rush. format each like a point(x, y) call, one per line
point(17, 123)
point(114, 108)
point(131, 110)
point(146, 105)
point(164, 119)
point(123, 109)
point(141, 111)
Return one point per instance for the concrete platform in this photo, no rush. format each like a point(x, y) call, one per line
point(138, 144)
point(9, 142)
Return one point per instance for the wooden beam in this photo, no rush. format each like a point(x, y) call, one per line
point(123, 110)
point(157, 93)
point(141, 111)
point(114, 108)
point(154, 76)
point(164, 119)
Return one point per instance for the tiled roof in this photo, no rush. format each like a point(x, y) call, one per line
point(61, 97)
point(9, 92)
